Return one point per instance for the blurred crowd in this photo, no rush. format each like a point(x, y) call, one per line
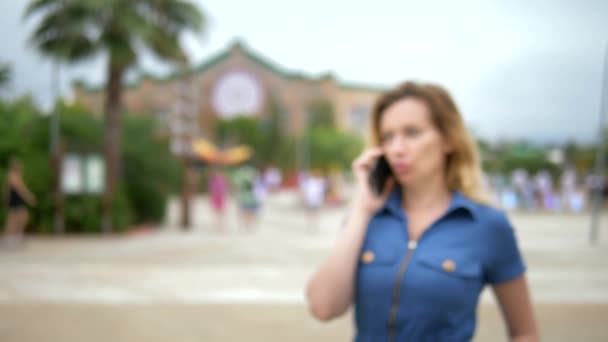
point(316, 189)
point(568, 191)
point(251, 186)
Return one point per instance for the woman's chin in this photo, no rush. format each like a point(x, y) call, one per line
point(404, 180)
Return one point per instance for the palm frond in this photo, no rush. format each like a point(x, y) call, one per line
point(38, 6)
point(76, 29)
point(5, 75)
point(66, 30)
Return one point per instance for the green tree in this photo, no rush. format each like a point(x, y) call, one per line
point(150, 171)
point(240, 130)
point(581, 157)
point(72, 30)
point(273, 131)
point(266, 135)
point(19, 119)
point(5, 75)
point(331, 148)
point(321, 113)
point(328, 146)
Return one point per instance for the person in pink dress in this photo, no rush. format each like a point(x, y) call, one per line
point(218, 188)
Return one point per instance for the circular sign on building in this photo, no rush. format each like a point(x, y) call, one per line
point(237, 93)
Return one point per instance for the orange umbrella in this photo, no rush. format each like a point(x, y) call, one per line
point(209, 153)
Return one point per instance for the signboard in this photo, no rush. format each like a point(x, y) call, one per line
point(71, 175)
point(82, 174)
point(94, 174)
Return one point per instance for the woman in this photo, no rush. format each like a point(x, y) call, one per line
point(245, 179)
point(314, 191)
point(414, 259)
point(18, 196)
point(218, 188)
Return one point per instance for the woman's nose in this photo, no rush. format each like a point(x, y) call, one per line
point(397, 146)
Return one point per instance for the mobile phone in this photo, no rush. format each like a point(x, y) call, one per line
point(379, 174)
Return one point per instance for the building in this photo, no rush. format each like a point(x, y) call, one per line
point(236, 82)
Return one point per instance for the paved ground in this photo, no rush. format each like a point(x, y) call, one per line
point(209, 286)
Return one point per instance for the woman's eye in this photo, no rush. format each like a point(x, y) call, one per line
point(412, 131)
point(384, 138)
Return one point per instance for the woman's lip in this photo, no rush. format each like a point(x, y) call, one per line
point(400, 167)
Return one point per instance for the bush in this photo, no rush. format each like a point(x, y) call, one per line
point(330, 148)
point(150, 173)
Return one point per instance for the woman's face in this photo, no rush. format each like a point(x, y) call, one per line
point(413, 146)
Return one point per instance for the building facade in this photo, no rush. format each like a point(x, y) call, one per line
point(237, 82)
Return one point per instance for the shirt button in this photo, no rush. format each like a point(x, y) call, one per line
point(449, 266)
point(367, 257)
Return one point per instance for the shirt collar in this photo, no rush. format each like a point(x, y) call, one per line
point(458, 202)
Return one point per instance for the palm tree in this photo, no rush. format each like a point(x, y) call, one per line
point(72, 30)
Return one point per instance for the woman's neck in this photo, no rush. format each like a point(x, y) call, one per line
point(428, 195)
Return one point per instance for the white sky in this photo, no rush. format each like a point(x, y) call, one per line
point(518, 69)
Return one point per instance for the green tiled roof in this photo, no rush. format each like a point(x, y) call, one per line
point(218, 58)
point(211, 62)
point(364, 87)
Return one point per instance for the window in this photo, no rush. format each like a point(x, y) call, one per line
point(359, 117)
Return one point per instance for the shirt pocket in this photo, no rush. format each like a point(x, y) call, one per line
point(448, 281)
point(378, 262)
point(452, 266)
point(378, 254)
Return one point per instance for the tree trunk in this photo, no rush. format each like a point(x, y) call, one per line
point(57, 155)
point(112, 141)
point(57, 167)
point(186, 195)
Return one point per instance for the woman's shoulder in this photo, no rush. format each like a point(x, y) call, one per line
point(491, 216)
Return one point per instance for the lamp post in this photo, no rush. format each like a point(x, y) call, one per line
point(185, 129)
point(600, 164)
point(56, 153)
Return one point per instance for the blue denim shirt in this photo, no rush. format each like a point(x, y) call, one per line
point(428, 290)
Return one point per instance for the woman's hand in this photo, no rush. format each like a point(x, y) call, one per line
point(365, 198)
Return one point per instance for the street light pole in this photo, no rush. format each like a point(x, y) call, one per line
point(600, 164)
point(186, 119)
point(307, 136)
point(56, 155)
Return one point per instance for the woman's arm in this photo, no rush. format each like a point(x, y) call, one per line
point(516, 306)
point(330, 290)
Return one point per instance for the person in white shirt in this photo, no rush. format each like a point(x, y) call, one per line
point(273, 178)
point(314, 189)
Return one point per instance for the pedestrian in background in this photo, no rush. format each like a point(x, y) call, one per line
point(17, 197)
